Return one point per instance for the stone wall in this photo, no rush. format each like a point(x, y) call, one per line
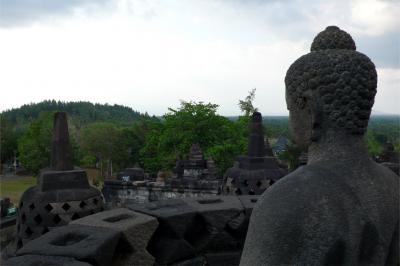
point(191, 231)
point(119, 192)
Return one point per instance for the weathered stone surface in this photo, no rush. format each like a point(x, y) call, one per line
point(217, 211)
point(39, 260)
point(197, 261)
point(131, 174)
point(341, 40)
point(241, 223)
point(118, 192)
point(136, 229)
point(256, 139)
point(167, 249)
point(223, 258)
point(39, 211)
point(53, 180)
point(172, 214)
point(248, 202)
point(254, 173)
point(195, 167)
point(62, 194)
point(91, 244)
point(210, 225)
point(175, 218)
point(196, 231)
point(390, 158)
point(194, 226)
point(7, 237)
point(61, 159)
point(341, 208)
point(395, 167)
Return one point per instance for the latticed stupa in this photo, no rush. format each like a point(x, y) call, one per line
point(62, 193)
point(254, 173)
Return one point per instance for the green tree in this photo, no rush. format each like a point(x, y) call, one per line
point(191, 123)
point(34, 147)
point(373, 145)
point(114, 147)
point(100, 140)
point(246, 105)
point(291, 156)
point(9, 136)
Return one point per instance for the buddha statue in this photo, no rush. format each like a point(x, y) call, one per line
point(341, 208)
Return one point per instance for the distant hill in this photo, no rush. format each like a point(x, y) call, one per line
point(80, 112)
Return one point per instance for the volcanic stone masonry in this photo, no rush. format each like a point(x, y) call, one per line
point(193, 177)
point(61, 195)
point(390, 158)
point(341, 208)
point(195, 231)
point(196, 167)
point(254, 173)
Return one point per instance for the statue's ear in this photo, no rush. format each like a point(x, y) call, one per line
point(316, 120)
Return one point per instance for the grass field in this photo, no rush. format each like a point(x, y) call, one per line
point(14, 187)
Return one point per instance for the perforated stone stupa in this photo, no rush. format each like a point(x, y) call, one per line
point(195, 166)
point(254, 173)
point(62, 193)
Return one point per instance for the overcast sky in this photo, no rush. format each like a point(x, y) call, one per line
point(149, 54)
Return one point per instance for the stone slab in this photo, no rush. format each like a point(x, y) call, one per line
point(92, 244)
point(223, 258)
point(248, 202)
point(210, 230)
point(174, 214)
point(57, 180)
point(216, 210)
point(169, 250)
point(197, 261)
point(136, 229)
point(40, 260)
point(175, 217)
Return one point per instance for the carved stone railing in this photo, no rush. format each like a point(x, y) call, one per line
point(202, 230)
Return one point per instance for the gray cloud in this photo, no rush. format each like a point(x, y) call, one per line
point(22, 12)
point(383, 50)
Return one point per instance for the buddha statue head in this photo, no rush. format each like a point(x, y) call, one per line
point(330, 90)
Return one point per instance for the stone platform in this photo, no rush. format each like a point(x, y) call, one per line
point(119, 192)
point(193, 231)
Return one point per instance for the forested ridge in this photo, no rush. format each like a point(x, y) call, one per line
point(113, 137)
point(81, 112)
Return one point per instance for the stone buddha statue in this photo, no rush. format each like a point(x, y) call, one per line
point(341, 208)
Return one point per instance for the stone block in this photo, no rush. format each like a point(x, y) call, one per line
point(136, 229)
point(248, 202)
point(196, 261)
point(175, 214)
point(169, 250)
point(38, 260)
point(209, 230)
point(175, 221)
point(55, 180)
point(91, 244)
point(131, 174)
point(223, 258)
point(216, 210)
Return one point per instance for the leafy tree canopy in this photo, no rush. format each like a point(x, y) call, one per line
point(246, 105)
point(34, 147)
point(192, 122)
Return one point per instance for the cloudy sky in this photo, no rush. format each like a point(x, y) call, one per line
point(149, 54)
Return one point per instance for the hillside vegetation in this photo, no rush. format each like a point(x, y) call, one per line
point(80, 112)
point(112, 137)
